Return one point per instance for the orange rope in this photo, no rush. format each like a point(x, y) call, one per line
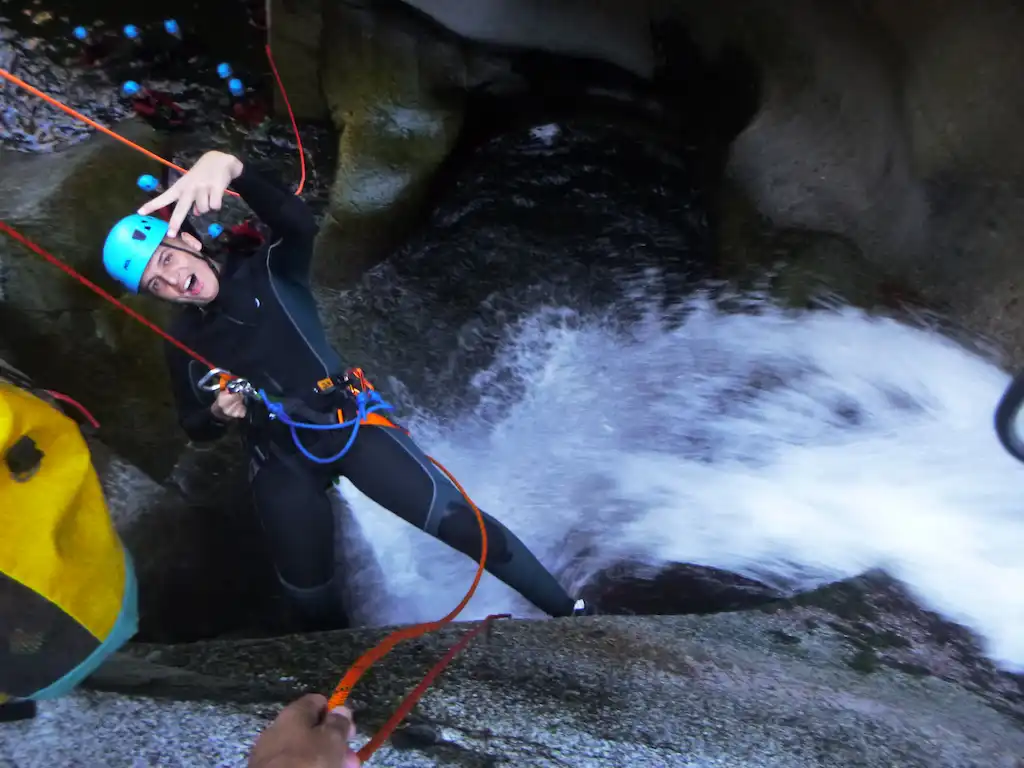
point(152, 155)
point(364, 662)
point(384, 647)
point(417, 693)
point(12, 232)
point(89, 121)
point(295, 126)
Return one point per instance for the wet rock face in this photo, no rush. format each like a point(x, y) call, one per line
point(829, 149)
point(889, 630)
point(606, 30)
point(568, 213)
point(791, 684)
point(890, 128)
point(395, 95)
point(200, 557)
point(678, 590)
point(403, 85)
point(63, 334)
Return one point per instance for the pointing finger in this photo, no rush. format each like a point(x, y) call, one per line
point(160, 201)
point(180, 212)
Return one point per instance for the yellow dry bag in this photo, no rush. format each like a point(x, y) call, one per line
point(68, 595)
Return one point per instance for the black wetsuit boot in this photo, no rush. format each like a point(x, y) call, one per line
point(507, 557)
point(318, 609)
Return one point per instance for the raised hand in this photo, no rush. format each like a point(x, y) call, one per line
point(202, 188)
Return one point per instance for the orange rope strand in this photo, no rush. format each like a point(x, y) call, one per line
point(417, 693)
point(12, 232)
point(291, 115)
point(88, 121)
point(152, 155)
point(384, 647)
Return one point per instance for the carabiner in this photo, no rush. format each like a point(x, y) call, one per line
point(215, 380)
point(219, 380)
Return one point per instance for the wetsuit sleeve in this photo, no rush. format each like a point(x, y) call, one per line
point(290, 221)
point(194, 414)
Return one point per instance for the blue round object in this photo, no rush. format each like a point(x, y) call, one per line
point(215, 230)
point(148, 183)
point(224, 70)
point(172, 27)
point(81, 33)
point(130, 88)
point(131, 31)
point(235, 86)
point(130, 247)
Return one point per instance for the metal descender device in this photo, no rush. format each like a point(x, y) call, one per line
point(217, 379)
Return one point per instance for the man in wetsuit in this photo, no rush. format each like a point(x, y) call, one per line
point(255, 316)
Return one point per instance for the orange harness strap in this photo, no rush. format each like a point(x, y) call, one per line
point(371, 419)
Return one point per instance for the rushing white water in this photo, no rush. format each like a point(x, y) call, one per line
point(797, 448)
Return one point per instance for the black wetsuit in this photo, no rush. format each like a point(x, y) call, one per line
point(263, 326)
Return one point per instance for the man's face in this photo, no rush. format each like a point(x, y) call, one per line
point(177, 273)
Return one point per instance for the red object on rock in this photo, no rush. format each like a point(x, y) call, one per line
point(250, 113)
point(245, 236)
point(158, 109)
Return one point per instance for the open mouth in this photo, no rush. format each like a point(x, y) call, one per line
point(193, 286)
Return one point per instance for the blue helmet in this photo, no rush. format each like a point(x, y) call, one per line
point(130, 247)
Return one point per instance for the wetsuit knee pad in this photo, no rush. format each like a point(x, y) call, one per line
point(459, 528)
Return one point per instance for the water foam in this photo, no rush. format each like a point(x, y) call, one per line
point(797, 448)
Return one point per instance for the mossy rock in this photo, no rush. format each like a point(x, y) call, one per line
point(394, 94)
point(63, 333)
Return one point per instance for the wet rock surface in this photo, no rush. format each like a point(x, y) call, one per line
point(787, 685)
point(200, 558)
point(869, 131)
point(395, 98)
point(676, 590)
point(559, 225)
point(62, 331)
